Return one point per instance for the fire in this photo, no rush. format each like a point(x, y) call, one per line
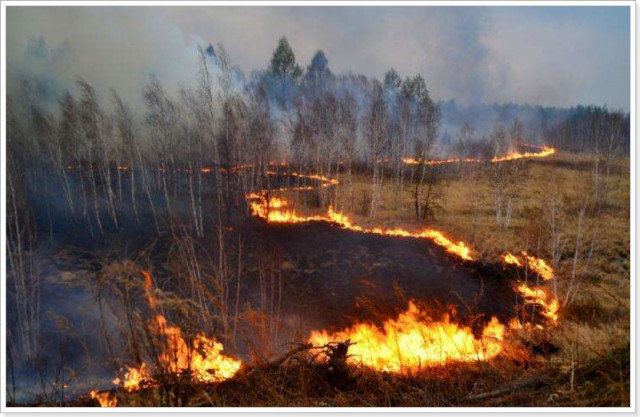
point(413, 161)
point(537, 296)
point(537, 265)
point(544, 152)
point(406, 344)
point(203, 359)
point(275, 210)
point(104, 399)
point(511, 259)
point(324, 181)
point(133, 378)
point(413, 341)
point(549, 305)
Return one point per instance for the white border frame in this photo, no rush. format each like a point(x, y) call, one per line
point(632, 111)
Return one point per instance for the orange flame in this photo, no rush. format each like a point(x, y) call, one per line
point(511, 259)
point(537, 265)
point(544, 152)
point(413, 341)
point(550, 305)
point(104, 399)
point(204, 359)
point(413, 161)
point(275, 210)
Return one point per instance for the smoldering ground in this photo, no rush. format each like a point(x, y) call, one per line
point(297, 278)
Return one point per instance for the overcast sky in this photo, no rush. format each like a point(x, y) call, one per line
point(559, 56)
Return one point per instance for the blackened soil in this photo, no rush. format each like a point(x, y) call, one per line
point(333, 277)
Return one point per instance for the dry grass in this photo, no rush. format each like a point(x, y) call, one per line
point(504, 382)
point(595, 327)
point(590, 368)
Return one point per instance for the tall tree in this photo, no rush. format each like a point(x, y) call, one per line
point(376, 131)
point(284, 69)
point(392, 81)
point(318, 73)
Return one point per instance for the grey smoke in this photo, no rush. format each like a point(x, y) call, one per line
point(556, 56)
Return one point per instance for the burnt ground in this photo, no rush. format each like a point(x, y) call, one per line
point(330, 278)
point(333, 278)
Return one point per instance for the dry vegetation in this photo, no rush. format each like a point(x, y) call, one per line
point(582, 362)
point(144, 229)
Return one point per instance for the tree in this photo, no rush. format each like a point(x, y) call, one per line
point(516, 131)
point(416, 87)
point(284, 69)
point(392, 81)
point(376, 125)
point(283, 61)
point(348, 130)
point(427, 119)
point(506, 178)
point(318, 73)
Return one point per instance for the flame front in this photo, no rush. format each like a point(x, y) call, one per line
point(413, 161)
point(543, 152)
point(104, 399)
point(511, 259)
point(413, 341)
point(537, 265)
point(203, 359)
point(275, 210)
point(538, 296)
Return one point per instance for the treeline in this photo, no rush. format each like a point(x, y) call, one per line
point(316, 121)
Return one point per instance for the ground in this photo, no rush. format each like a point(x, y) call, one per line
point(584, 361)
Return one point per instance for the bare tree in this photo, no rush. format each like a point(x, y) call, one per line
point(376, 133)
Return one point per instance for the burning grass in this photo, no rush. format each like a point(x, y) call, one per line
point(301, 382)
point(202, 358)
point(414, 341)
point(412, 358)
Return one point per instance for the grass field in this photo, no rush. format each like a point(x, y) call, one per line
point(583, 361)
point(597, 322)
point(589, 364)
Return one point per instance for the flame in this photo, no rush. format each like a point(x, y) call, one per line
point(511, 259)
point(408, 343)
point(413, 161)
point(544, 152)
point(537, 265)
point(104, 399)
point(275, 210)
point(413, 341)
point(515, 324)
point(133, 378)
point(539, 296)
point(324, 181)
point(204, 358)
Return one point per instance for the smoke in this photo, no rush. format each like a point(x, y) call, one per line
point(116, 48)
point(549, 56)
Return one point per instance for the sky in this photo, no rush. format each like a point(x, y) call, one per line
point(551, 55)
